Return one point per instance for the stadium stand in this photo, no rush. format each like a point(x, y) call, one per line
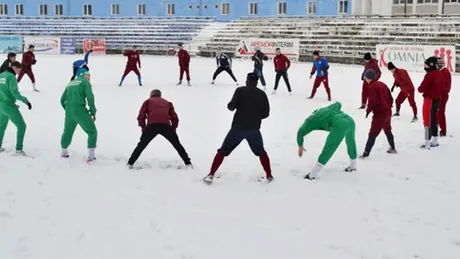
point(154, 35)
point(342, 39)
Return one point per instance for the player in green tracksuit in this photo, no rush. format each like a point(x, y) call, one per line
point(76, 96)
point(339, 125)
point(9, 94)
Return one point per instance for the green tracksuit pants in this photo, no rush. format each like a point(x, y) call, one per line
point(74, 116)
point(11, 112)
point(343, 127)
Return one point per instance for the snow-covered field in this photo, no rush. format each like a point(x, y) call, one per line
point(394, 207)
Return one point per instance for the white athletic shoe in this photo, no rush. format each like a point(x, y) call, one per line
point(188, 83)
point(208, 179)
point(20, 153)
point(64, 153)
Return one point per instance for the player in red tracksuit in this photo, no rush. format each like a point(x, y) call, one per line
point(184, 62)
point(432, 89)
point(134, 60)
point(282, 64)
point(28, 60)
point(404, 82)
point(369, 63)
point(380, 103)
point(445, 97)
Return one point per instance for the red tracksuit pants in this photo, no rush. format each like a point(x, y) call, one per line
point(402, 96)
point(364, 92)
point(442, 114)
point(28, 73)
point(380, 121)
point(318, 81)
point(184, 69)
point(130, 69)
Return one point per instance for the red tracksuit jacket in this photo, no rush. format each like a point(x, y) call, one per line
point(28, 59)
point(373, 64)
point(184, 58)
point(281, 62)
point(447, 76)
point(380, 98)
point(404, 81)
point(133, 58)
point(157, 110)
point(432, 85)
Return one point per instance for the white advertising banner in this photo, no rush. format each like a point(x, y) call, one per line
point(412, 57)
point(45, 45)
point(289, 47)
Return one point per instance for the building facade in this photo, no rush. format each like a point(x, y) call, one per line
point(222, 9)
point(426, 6)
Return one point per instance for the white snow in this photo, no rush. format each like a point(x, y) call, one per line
point(394, 207)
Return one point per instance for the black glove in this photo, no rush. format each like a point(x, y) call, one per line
point(311, 74)
point(29, 105)
point(362, 78)
point(393, 88)
point(367, 115)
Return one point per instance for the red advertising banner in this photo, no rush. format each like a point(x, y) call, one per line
point(98, 46)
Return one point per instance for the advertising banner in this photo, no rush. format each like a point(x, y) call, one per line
point(43, 45)
point(68, 45)
point(98, 46)
point(412, 57)
point(289, 47)
point(10, 43)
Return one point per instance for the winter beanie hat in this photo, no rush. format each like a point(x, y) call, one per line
point(11, 54)
point(391, 66)
point(367, 56)
point(82, 72)
point(370, 74)
point(252, 77)
point(432, 63)
point(315, 53)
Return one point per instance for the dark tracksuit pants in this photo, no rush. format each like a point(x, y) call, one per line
point(221, 69)
point(150, 132)
point(259, 72)
point(283, 74)
point(28, 72)
point(430, 117)
point(233, 139)
point(380, 121)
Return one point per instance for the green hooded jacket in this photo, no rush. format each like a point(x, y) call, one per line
point(77, 93)
point(9, 92)
point(321, 119)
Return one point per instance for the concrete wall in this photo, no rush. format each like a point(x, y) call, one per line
point(434, 8)
point(127, 8)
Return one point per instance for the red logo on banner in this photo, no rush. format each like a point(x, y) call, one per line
point(446, 56)
point(382, 62)
point(98, 46)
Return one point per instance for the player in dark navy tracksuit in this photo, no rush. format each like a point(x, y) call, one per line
point(252, 106)
point(224, 63)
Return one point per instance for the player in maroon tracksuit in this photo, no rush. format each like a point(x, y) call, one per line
point(134, 60)
point(28, 60)
point(184, 62)
point(369, 63)
point(432, 89)
point(404, 82)
point(161, 120)
point(445, 96)
point(282, 64)
point(380, 103)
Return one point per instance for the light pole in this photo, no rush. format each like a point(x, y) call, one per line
point(443, 5)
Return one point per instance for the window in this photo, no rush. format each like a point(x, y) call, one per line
point(205, 6)
point(43, 9)
point(225, 9)
point(216, 6)
point(171, 9)
point(427, 1)
point(59, 9)
point(115, 9)
point(253, 8)
point(3, 9)
point(198, 7)
point(141, 9)
point(403, 2)
point(190, 7)
point(311, 7)
point(282, 7)
point(19, 9)
point(343, 6)
point(87, 9)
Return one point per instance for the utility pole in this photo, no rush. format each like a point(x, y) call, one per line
point(443, 5)
point(405, 7)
